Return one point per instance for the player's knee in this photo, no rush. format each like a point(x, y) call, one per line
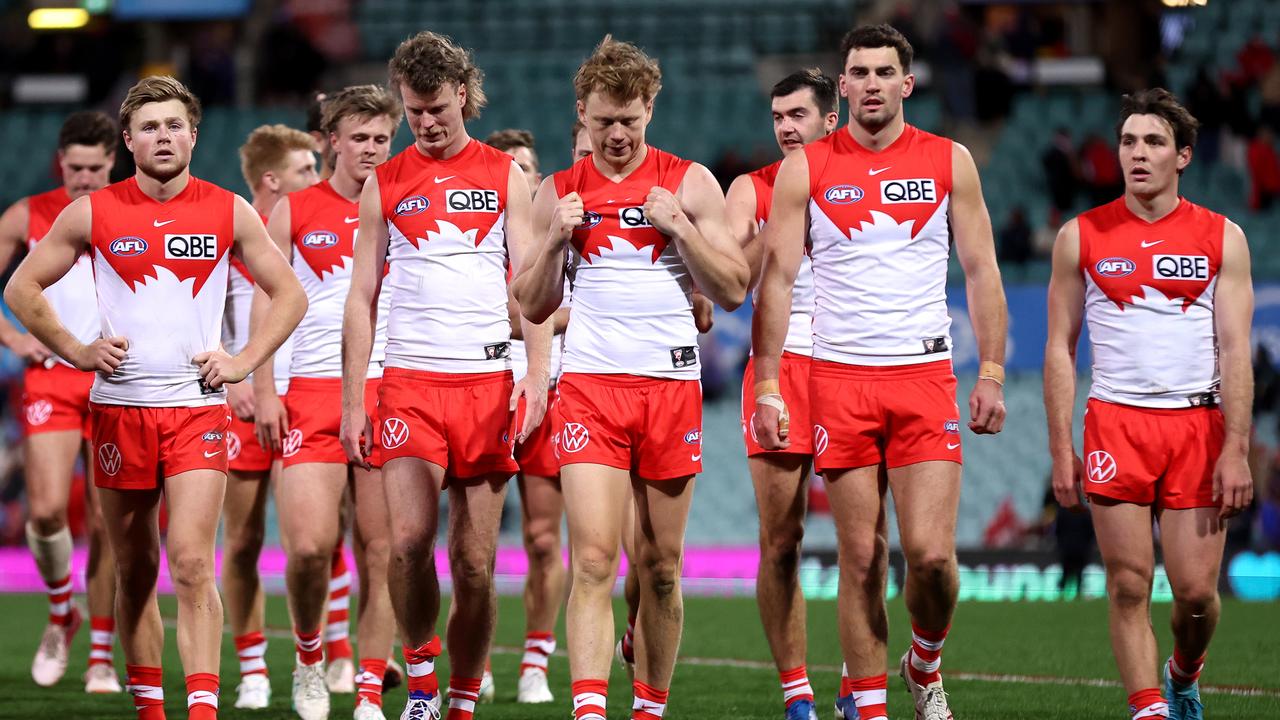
point(594, 567)
point(137, 570)
point(412, 545)
point(1196, 599)
point(542, 546)
point(661, 575)
point(310, 556)
point(191, 572)
point(244, 547)
point(931, 567)
point(377, 556)
point(862, 561)
point(46, 519)
point(1129, 590)
point(472, 574)
point(781, 547)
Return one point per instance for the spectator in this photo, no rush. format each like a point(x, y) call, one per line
point(1015, 238)
point(1255, 59)
point(1264, 169)
point(1060, 170)
point(1073, 536)
point(1100, 170)
point(1206, 99)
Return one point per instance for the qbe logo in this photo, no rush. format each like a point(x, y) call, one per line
point(485, 201)
point(127, 246)
point(395, 432)
point(412, 205)
point(1181, 267)
point(574, 437)
point(109, 458)
point(1115, 267)
point(633, 217)
point(843, 194)
point(1100, 467)
point(915, 190)
point(194, 246)
point(320, 239)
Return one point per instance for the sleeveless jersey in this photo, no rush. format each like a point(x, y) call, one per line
point(880, 241)
point(323, 226)
point(800, 325)
point(632, 294)
point(235, 321)
point(448, 258)
point(72, 297)
point(1149, 304)
point(161, 272)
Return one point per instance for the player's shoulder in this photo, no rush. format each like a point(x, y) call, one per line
point(766, 175)
point(1105, 217)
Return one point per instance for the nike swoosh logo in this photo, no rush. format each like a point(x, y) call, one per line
point(696, 458)
point(951, 446)
point(350, 220)
point(1146, 244)
point(877, 172)
point(161, 223)
point(442, 179)
point(211, 454)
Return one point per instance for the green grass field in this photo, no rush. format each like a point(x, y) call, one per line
point(1056, 651)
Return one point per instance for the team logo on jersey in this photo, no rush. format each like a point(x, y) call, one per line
point(320, 239)
point(820, 440)
point(1101, 467)
point(39, 412)
point(1181, 267)
point(590, 219)
point(127, 246)
point(395, 432)
point(630, 218)
point(843, 194)
point(693, 437)
point(192, 246)
point(485, 201)
point(292, 443)
point(1115, 267)
point(574, 437)
point(915, 190)
point(234, 446)
point(951, 426)
point(212, 436)
point(412, 205)
point(109, 458)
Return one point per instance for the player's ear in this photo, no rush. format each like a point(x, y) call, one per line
point(908, 84)
point(194, 131)
point(582, 112)
point(1184, 157)
point(830, 122)
point(128, 140)
point(844, 89)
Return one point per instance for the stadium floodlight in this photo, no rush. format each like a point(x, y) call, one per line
point(57, 18)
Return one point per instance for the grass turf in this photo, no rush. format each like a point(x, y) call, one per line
point(1051, 640)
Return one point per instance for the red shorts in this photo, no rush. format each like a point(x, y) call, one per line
point(314, 406)
point(244, 452)
point(899, 415)
point(134, 447)
point(1146, 456)
point(458, 421)
point(650, 426)
point(56, 399)
point(793, 376)
point(537, 455)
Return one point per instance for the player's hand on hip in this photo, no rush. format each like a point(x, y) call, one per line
point(270, 422)
point(356, 434)
point(31, 350)
point(103, 355)
point(567, 216)
point(218, 368)
point(986, 407)
point(771, 423)
point(1232, 483)
point(240, 400)
point(535, 404)
point(663, 211)
point(1068, 478)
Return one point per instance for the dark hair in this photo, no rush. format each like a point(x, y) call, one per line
point(88, 127)
point(1162, 104)
point(823, 87)
point(315, 112)
point(510, 139)
point(877, 36)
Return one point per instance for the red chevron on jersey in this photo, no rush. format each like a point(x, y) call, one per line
point(762, 180)
point(73, 297)
point(461, 198)
point(318, 224)
point(185, 238)
point(42, 210)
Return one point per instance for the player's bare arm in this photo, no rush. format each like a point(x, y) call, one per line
point(539, 287)
point(271, 421)
point(51, 258)
point(1066, 313)
point(695, 220)
point(359, 317)
point(1232, 316)
point(13, 230)
point(537, 336)
point(976, 250)
point(783, 241)
point(740, 210)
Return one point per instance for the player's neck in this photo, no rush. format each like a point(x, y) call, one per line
point(163, 190)
point(880, 138)
point(617, 173)
point(1152, 208)
point(264, 202)
point(345, 185)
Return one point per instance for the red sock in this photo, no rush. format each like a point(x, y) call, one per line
point(202, 696)
point(252, 650)
point(1147, 704)
point(649, 702)
point(629, 638)
point(1183, 669)
point(337, 629)
point(420, 665)
point(146, 684)
point(926, 654)
point(60, 601)
point(102, 634)
point(369, 680)
point(538, 647)
point(310, 649)
point(795, 685)
point(589, 699)
point(869, 696)
point(464, 693)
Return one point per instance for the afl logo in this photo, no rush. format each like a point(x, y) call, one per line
point(1115, 267)
point(693, 437)
point(590, 219)
point(843, 194)
point(412, 205)
point(128, 246)
point(320, 239)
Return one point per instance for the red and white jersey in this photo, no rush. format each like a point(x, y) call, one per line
point(161, 272)
point(880, 240)
point(632, 294)
point(235, 321)
point(448, 257)
point(323, 228)
point(800, 325)
point(72, 297)
point(1149, 304)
